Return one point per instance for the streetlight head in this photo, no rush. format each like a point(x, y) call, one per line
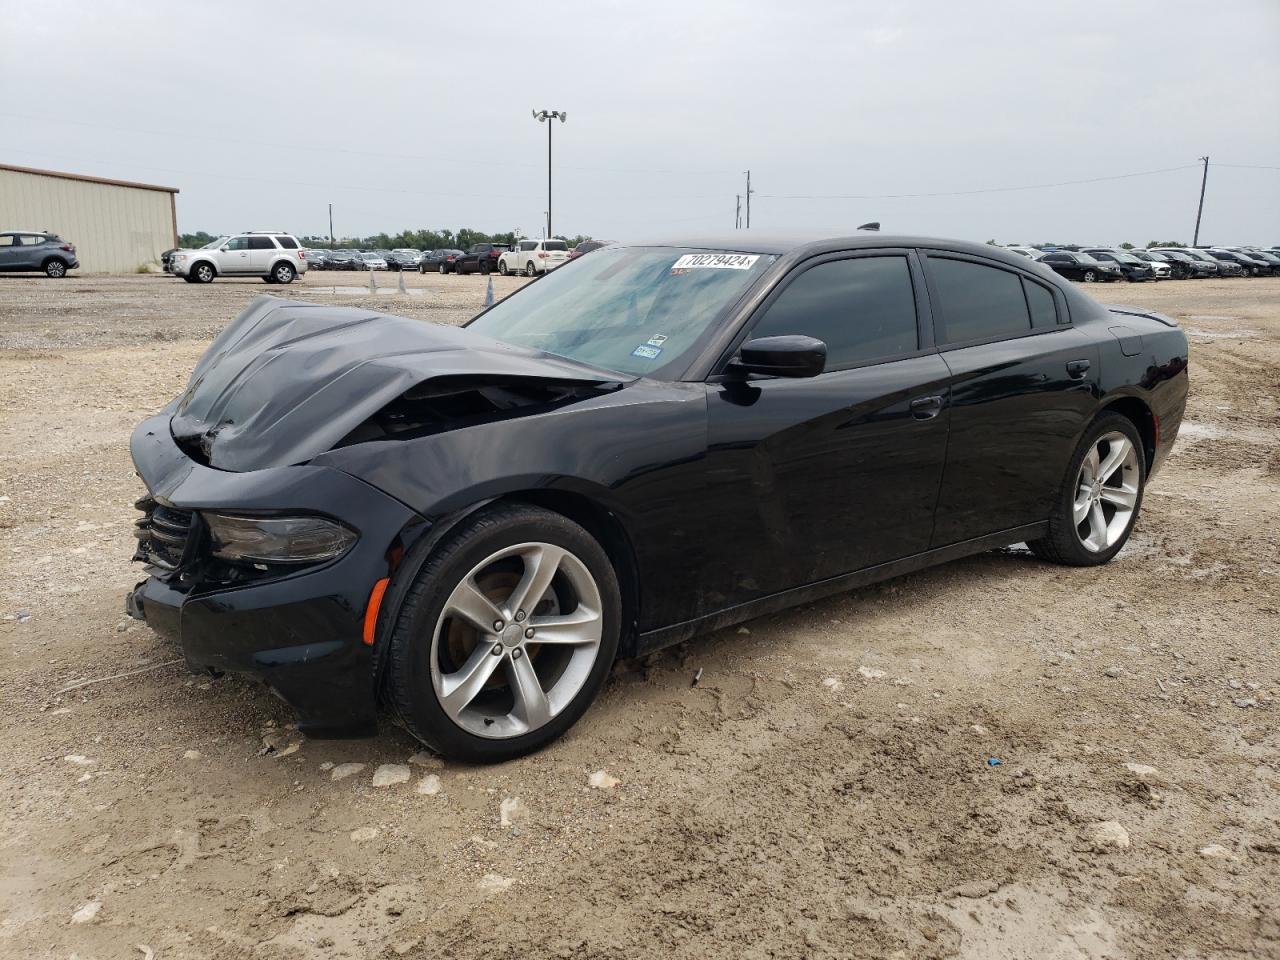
point(563, 116)
point(534, 114)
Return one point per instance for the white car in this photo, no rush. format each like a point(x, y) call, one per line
point(274, 256)
point(373, 262)
point(1031, 253)
point(410, 254)
point(532, 257)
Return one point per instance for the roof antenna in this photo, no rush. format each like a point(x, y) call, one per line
point(873, 225)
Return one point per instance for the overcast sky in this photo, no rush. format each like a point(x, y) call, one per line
point(408, 115)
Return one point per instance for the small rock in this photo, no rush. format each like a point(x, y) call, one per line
point(121, 627)
point(743, 631)
point(344, 770)
point(191, 755)
point(1108, 836)
point(327, 765)
point(1234, 684)
point(493, 883)
point(602, 781)
point(1245, 703)
point(979, 729)
point(512, 811)
point(870, 673)
point(424, 758)
point(429, 785)
point(1114, 673)
point(1216, 851)
point(78, 759)
point(1141, 770)
point(832, 683)
point(88, 913)
point(24, 616)
point(390, 774)
point(280, 743)
point(363, 834)
point(975, 889)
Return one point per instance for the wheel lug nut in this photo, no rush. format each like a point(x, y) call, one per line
point(497, 650)
point(528, 634)
point(520, 615)
point(516, 653)
point(498, 624)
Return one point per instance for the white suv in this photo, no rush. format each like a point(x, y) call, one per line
point(531, 257)
point(275, 257)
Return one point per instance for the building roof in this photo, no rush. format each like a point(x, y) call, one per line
point(85, 179)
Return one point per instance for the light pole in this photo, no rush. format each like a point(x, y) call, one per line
point(546, 116)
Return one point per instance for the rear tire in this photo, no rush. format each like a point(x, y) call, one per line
point(529, 269)
point(507, 694)
point(1099, 500)
point(283, 272)
point(55, 268)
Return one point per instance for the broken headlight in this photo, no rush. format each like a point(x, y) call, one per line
point(277, 539)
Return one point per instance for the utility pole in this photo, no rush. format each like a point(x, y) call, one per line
point(331, 226)
point(749, 192)
point(1204, 179)
point(546, 116)
point(737, 213)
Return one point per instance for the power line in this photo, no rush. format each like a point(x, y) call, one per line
point(1244, 166)
point(969, 193)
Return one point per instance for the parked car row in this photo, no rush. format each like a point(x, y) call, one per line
point(1106, 264)
point(528, 257)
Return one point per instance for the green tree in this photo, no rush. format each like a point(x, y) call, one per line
point(1166, 243)
point(191, 241)
point(1126, 246)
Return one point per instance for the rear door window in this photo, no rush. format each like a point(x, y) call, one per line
point(977, 302)
point(261, 243)
point(863, 309)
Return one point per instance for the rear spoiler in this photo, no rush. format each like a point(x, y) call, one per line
point(1125, 310)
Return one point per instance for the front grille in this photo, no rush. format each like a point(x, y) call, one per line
point(163, 534)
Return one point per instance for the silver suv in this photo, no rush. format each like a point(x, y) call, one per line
point(275, 257)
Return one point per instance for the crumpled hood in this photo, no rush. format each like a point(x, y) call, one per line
point(286, 381)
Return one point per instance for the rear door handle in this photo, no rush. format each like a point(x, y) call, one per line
point(1076, 369)
point(926, 408)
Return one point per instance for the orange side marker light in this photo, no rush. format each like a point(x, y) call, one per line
point(371, 611)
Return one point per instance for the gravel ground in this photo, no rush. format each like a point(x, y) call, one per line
point(827, 789)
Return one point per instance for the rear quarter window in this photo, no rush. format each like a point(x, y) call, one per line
point(287, 242)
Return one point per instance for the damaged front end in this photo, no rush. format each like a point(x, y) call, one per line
point(263, 563)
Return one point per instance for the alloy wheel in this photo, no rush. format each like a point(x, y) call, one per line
point(1106, 492)
point(56, 268)
point(516, 640)
point(1089, 276)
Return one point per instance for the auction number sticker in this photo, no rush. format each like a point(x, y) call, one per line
point(715, 261)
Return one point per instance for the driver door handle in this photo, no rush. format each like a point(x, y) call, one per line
point(926, 408)
point(1076, 369)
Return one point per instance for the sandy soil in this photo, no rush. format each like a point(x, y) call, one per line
point(827, 789)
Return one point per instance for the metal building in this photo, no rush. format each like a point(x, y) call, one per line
point(116, 225)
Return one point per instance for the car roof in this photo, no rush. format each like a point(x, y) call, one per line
point(809, 244)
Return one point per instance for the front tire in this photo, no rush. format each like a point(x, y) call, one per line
point(203, 272)
point(1100, 497)
point(505, 636)
point(503, 270)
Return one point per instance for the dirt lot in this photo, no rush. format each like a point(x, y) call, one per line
point(826, 790)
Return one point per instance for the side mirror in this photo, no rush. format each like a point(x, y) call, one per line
point(793, 355)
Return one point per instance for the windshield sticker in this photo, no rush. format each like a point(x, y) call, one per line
point(714, 261)
point(646, 351)
point(657, 340)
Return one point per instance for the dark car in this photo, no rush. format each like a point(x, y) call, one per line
point(1075, 265)
point(1179, 269)
point(586, 246)
point(1203, 264)
point(36, 251)
point(1133, 269)
point(440, 261)
point(1270, 262)
point(1245, 265)
point(318, 259)
point(344, 260)
point(470, 524)
point(481, 258)
point(399, 261)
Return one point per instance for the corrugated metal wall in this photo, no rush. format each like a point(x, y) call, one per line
point(114, 228)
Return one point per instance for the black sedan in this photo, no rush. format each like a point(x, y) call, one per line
point(469, 525)
point(439, 261)
point(1081, 266)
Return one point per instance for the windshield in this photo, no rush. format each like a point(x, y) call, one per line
point(1085, 258)
point(637, 310)
point(214, 243)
